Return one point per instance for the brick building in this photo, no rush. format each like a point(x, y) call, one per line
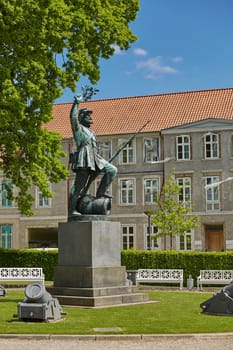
point(191, 132)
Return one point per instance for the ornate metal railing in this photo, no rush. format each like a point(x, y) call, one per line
point(214, 277)
point(21, 274)
point(160, 276)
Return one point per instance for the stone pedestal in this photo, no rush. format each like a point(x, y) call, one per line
point(89, 271)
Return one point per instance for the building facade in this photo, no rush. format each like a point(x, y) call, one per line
point(190, 134)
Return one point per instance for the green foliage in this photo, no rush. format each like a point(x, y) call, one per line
point(190, 262)
point(172, 217)
point(29, 258)
point(45, 47)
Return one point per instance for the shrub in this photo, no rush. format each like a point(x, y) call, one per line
point(190, 262)
point(30, 258)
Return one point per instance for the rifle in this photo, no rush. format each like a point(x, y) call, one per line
point(127, 142)
point(94, 175)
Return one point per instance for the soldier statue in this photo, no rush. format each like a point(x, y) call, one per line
point(87, 163)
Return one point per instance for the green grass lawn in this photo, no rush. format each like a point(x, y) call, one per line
point(175, 312)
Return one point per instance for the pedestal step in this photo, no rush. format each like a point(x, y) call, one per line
point(95, 297)
point(92, 292)
point(110, 300)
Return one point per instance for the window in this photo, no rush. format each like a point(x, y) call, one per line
point(151, 150)
point(185, 190)
point(183, 147)
point(151, 188)
point(127, 191)
point(127, 155)
point(154, 241)
point(104, 149)
point(186, 241)
point(211, 146)
point(212, 193)
point(127, 236)
point(6, 236)
point(42, 202)
point(6, 185)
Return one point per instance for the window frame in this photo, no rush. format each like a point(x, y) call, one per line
point(154, 153)
point(181, 147)
point(211, 146)
point(152, 193)
point(185, 243)
point(186, 202)
point(211, 191)
point(9, 203)
point(39, 197)
point(155, 231)
point(128, 236)
point(127, 152)
point(6, 237)
point(133, 189)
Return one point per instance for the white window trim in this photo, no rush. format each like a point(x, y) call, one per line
point(144, 150)
point(191, 233)
point(11, 235)
point(145, 178)
point(152, 241)
point(211, 188)
point(120, 190)
point(120, 143)
point(183, 147)
point(1, 195)
point(38, 198)
point(211, 143)
point(183, 189)
point(128, 235)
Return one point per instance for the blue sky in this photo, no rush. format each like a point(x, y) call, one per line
point(182, 45)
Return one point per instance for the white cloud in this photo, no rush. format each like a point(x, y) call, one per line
point(140, 52)
point(154, 67)
point(177, 59)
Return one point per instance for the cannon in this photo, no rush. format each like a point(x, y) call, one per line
point(221, 303)
point(90, 205)
point(39, 305)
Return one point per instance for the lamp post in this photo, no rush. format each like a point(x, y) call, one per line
point(149, 228)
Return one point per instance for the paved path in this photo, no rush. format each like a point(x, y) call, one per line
point(134, 342)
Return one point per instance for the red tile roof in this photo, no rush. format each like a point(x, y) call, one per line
point(127, 115)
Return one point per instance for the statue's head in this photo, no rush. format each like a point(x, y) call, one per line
point(84, 117)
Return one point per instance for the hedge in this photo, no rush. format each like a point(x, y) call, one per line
point(30, 258)
point(190, 262)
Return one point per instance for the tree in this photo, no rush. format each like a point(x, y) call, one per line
point(46, 46)
point(172, 217)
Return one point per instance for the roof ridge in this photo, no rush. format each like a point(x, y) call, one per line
point(150, 95)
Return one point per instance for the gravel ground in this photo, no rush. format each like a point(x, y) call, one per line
point(134, 342)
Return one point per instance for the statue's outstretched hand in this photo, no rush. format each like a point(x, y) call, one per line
point(78, 98)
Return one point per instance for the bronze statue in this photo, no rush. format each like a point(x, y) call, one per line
point(88, 164)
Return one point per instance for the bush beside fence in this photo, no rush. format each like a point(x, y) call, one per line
point(190, 262)
point(30, 258)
